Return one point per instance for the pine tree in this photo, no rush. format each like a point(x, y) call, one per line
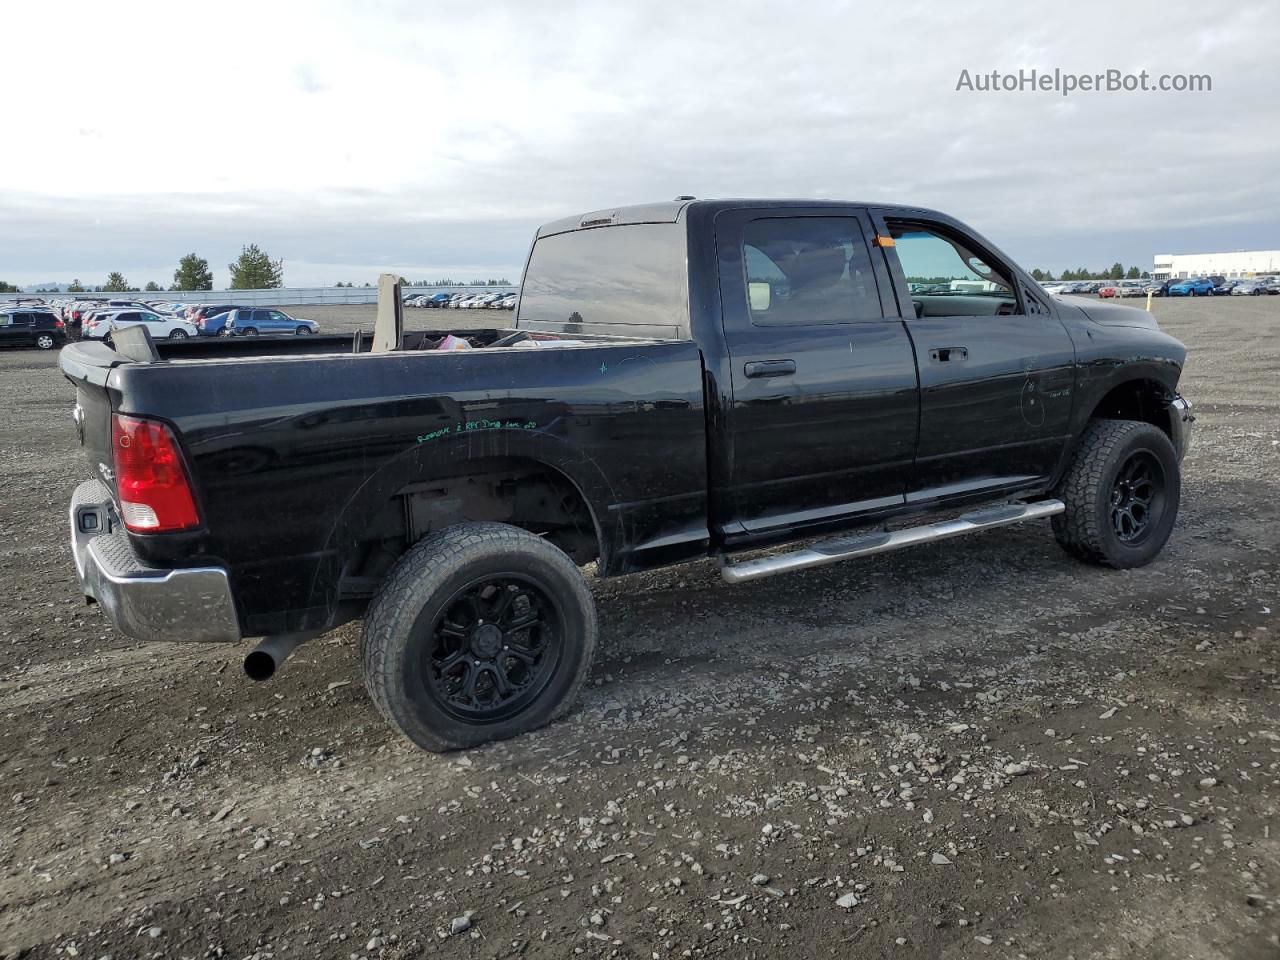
point(254, 270)
point(116, 283)
point(193, 273)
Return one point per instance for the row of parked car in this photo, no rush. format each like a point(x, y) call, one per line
point(96, 319)
point(1211, 286)
point(50, 323)
point(463, 301)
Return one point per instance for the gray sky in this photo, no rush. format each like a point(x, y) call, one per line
point(432, 138)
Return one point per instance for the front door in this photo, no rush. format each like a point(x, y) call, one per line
point(997, 368)
point(822, 424)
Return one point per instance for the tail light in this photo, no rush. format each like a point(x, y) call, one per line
point(155, 494)
point(75, 314)
point(200, 322)
point(58, 324)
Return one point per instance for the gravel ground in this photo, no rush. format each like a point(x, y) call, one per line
point(977, 749)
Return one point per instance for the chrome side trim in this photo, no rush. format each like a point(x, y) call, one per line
point(864, 545)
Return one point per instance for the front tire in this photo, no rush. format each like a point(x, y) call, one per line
point(1122, 492)
point(178, 335)
point(302, 332)
point(482, 631)
point(45, 341)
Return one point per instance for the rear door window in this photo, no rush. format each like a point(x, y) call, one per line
point(808, 270)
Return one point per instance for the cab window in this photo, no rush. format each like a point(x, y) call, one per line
point(946, 276)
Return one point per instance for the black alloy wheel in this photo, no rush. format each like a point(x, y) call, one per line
point(1121, 494)
point(493, 648)
point(481, 631)
point(1137, 497)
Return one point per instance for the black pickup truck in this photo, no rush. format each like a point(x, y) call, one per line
point(683, 380)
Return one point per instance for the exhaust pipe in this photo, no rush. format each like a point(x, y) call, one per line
point(265, 659)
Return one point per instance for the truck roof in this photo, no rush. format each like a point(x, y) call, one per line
point(672, 211)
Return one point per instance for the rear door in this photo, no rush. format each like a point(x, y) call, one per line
point(275, 321)
point(822, 424)
point(997, 368)
point(10, 329)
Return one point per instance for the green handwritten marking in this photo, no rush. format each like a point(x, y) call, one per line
point(472, 426)
point(604, 367)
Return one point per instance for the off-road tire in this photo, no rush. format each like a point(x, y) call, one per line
point(1086, 529)
point(398, 628)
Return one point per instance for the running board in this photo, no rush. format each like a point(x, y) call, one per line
point(864, 545)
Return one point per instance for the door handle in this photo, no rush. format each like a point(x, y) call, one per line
point(948, 354)
point(770, 368)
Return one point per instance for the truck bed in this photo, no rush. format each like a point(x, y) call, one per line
point(302, 452)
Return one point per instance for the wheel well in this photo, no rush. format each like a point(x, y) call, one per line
point(1144, 400)
point(524, 493)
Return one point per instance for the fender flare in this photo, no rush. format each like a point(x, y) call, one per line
point(442, 455)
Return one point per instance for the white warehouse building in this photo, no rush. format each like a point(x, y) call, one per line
point(1242, 263)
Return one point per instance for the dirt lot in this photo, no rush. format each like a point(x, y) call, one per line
point(976, 749)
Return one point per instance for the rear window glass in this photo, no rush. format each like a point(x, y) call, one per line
point(610, 277)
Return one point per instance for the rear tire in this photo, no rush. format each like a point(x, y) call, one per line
point(480, 632)
point(248, 332)
point(1121, 492)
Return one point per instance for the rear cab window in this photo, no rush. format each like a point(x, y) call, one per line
point(627, 280)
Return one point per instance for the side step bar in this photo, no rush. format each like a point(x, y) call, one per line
point(864, 545)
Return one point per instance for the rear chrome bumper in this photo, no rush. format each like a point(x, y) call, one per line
point(144, 602)
point(1180, 421)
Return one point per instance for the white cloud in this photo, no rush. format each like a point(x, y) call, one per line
point(366, 134)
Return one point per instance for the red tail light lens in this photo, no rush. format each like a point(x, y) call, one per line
point(155, 495)
point(57, 324)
